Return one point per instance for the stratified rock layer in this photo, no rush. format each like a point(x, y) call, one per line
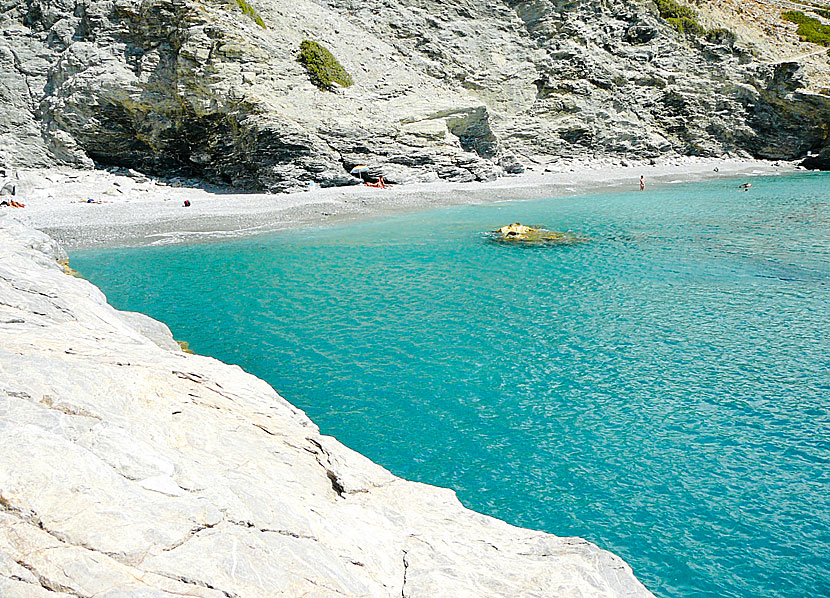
point(443, 89)
point(130, 469)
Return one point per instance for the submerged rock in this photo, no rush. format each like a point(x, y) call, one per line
point(130, 468)
point(527, 235)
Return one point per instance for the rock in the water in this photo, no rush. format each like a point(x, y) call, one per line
point(516, 229)
point(527, 235)
point(131, 469)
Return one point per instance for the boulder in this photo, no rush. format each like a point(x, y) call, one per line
point(519, 233)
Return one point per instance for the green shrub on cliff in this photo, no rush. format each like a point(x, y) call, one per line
point(795, 16)
point(684, 19)
point(322, 66)
point(686, 25)
point(671, 10)
point(810, 29)
point(720, 35)
point(249, 12)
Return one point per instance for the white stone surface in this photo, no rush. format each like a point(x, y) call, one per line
point(128, 470)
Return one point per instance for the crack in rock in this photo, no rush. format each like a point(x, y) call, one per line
point(335, 481)
point(17, 578)
point(50, 297)
point(195, 582)
point(336, 484)
point(265, 429)
point(48, 584)
point(192, 534)
point(267, 530)
point(285, 532)
point(208, 384)
point(321, 585)
point(405, 568)
point(11, 283)
point(188, 376)
point(31, 518)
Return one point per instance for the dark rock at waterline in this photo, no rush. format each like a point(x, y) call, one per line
point(818, 162)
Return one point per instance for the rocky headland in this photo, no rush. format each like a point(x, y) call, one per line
point(450, 90)
point(129, 468)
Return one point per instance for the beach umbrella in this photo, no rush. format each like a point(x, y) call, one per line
point(359, 170)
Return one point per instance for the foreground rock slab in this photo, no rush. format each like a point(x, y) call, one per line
point(131, 469)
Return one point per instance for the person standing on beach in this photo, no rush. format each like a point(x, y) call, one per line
point(642, 183)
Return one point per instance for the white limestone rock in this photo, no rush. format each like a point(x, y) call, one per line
point(156, 331)
point(129, 470)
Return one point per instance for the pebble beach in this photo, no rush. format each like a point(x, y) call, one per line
point(131, 209)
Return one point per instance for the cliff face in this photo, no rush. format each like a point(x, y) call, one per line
point(130, 469)
point(452, 89)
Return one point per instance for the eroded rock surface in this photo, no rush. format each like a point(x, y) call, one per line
point(131, 470)
point(443, 89)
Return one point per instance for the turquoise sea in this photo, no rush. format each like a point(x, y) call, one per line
point(662, 390)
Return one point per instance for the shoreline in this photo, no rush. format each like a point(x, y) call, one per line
point(140, 211)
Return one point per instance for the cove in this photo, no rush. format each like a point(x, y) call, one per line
point(661, 390)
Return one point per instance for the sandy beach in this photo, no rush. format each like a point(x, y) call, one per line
point(138, 210)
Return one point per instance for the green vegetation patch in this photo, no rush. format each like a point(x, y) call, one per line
point(669, 9)
point(684, 19)
point(720, 35)
point(686, 25)
point(249, 12)
point(822, 12)
point(810, 29)
point(322, 66)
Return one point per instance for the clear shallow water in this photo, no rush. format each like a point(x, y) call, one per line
point(662, 390)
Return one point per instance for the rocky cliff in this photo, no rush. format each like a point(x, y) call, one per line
point(129, 469)
point(446, 89)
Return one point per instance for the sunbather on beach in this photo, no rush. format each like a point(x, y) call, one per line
point(380, 184)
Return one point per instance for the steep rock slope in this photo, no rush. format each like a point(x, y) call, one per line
point(454, 89)
point(129, 469)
